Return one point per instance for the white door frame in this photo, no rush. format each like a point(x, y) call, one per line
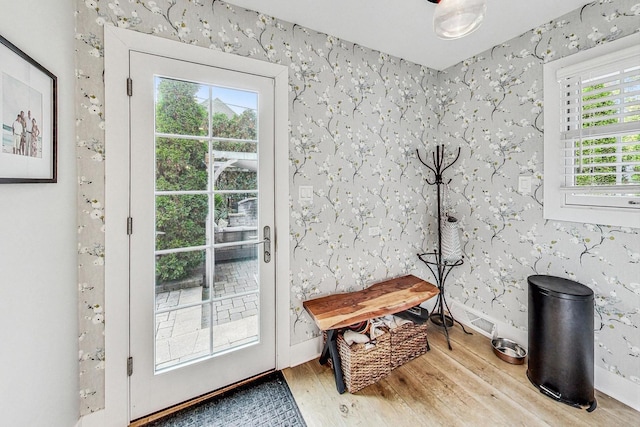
point(118, 44)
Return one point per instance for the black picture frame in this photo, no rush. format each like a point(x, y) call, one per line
point(29, 117)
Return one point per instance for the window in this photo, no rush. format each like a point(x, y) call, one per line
point(592, 135)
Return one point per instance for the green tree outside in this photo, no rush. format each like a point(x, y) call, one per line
point(184, 165)
point(180, 165)
point(604, 149)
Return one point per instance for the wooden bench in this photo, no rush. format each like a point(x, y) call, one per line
point(332, 312)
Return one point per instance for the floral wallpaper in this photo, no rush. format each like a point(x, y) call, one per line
point(493, 110)
point(356, 118)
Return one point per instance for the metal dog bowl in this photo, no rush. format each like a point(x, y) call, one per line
point(509, 351)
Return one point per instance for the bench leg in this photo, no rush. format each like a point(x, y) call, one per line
point(324, 356)
point(330, 350)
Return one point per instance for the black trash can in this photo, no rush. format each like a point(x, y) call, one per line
point(561, 340)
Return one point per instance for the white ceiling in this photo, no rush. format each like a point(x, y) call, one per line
point(404, 28)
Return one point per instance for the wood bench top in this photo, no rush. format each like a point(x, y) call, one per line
point(388, 297)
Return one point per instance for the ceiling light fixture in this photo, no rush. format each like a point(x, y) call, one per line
point(453, 19)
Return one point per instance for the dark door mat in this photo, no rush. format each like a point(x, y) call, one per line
point(266, 402)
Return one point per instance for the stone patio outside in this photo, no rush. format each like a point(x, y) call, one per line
point(231, 320)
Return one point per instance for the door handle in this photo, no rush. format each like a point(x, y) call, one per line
point(266, 235)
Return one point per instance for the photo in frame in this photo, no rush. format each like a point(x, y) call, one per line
point(28, 112)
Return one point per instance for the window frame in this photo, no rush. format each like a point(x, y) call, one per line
point(560, 204)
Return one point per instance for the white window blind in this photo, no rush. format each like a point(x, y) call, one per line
point(600, 127)
point(592, 135)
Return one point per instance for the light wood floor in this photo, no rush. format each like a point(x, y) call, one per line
point(466, 386)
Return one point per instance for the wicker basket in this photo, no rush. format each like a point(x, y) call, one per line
point(364, 364)
point(408, 342)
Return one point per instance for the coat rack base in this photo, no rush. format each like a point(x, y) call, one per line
point(441, 319)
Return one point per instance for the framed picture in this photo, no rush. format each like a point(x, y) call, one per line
point(28, 111)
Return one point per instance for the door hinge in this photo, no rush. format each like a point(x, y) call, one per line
point(130, 366)
point(129, 226)
point(129, 86)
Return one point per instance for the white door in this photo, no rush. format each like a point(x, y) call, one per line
point(202, 288)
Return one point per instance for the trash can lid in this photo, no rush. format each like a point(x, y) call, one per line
point(560, 287)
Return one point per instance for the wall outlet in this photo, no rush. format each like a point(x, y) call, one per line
point(305, 193)
point(524, 184)
point(374, 231)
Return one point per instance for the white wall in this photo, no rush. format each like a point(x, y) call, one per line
point(38, 291)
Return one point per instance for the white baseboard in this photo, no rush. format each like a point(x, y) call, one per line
point(94, 419)
point(305, 351)
point(503, 330)
point(607, 382)
point(617, 387)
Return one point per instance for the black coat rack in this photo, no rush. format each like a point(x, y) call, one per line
point(439, 267)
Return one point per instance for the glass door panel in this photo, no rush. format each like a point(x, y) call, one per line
point(206, 153)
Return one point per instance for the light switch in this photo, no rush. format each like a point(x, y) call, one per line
point(524, 184)
point(305, 193)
